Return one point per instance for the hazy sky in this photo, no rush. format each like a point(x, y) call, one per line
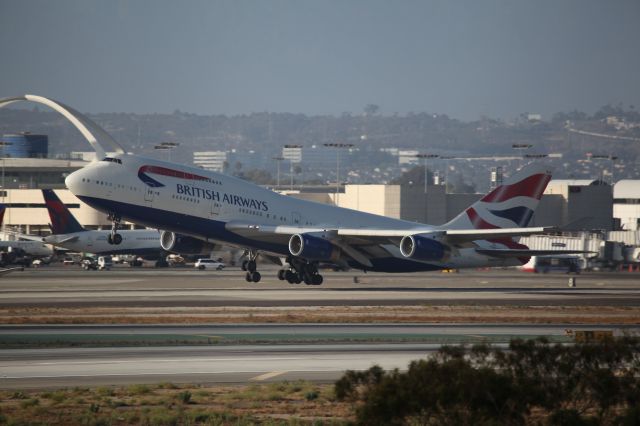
point(462, 58)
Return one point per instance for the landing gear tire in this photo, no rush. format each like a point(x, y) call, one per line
point(292, 277)
point(249, 265)
point(253, 277)
point(288, 275)
point(114, 237)
point(282, 274)
point(317, 279)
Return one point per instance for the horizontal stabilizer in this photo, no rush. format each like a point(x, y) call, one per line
point(527, 253)
point(459, 235)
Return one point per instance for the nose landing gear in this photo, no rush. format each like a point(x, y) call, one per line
point(114, 237)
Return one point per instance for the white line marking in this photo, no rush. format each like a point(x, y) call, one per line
point(267, 376)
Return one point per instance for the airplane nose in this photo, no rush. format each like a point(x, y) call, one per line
point(74, 181)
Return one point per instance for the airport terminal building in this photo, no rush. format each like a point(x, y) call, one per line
point(575, 205)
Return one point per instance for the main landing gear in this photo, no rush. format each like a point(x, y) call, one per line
point(249, 265)
point(114, 237)
point(300, 271)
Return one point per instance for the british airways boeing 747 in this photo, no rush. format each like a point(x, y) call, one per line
point(211, 207)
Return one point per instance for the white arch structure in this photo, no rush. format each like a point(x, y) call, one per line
point(84, 124)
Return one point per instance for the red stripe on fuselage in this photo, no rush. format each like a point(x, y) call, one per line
point(163, 171)
point(533, 187)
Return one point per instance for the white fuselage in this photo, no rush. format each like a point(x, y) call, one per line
point(142, 241)
point(32, 248)
point(200, 203)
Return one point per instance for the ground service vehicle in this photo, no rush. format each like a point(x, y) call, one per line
point(208, 264)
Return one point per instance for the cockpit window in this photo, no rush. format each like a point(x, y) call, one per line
point(112, 160)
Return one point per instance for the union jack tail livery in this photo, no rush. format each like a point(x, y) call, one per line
point(62, 221)
point(511, 205)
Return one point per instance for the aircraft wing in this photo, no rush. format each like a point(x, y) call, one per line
point(279, 233)
point(282, 233)
point(355, 241)
point(55, 239)
point(25, 237)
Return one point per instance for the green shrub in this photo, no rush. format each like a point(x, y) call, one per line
point(312, 395)
point(19, 395)
point(139, 389)
point(27, 403)
point(105, 391)
point(184, 397)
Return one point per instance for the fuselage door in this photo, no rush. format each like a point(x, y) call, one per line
point(296, 218)
point(148, 194)
point(216, 206)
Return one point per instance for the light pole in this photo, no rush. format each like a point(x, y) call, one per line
point(278, 160)
point(446, 172)
point(291, 157)
point(425, 157)
point(611, 158)
point(338, 146)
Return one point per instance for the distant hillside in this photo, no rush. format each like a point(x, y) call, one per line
point(265, 133)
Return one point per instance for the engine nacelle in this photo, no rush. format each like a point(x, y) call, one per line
point(183, 244)
point(419, 247)
point(311, 247)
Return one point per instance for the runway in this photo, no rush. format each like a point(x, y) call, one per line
point(115, 346)
point(122, 287)
point(238, 363)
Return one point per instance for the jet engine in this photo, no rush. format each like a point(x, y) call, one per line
point(420, 247)
point(183, 244)
point(312, 247)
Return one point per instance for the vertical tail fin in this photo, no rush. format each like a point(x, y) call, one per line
point(62, 221)
point(511, 205)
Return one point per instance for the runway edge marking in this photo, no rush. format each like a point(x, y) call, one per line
point(266, 376)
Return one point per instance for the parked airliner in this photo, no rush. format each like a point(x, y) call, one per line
point(67, 233)
point(33, 248)
point(216, 208)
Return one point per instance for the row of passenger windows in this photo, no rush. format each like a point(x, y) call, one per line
point(110, 184)
point(187, 199)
